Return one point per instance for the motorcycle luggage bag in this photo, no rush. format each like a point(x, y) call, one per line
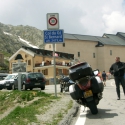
point(96, 84)
point(75, 92)
point(80, 70)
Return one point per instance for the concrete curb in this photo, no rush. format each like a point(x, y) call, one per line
point(71, 113)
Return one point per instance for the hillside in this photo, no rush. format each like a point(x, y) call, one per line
point(12, 38)
point(9, 37)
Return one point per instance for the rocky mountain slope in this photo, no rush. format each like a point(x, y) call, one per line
point(12, 38)
point(9, 37)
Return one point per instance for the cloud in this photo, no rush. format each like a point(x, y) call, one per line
point(114, 22)
point(87, 17)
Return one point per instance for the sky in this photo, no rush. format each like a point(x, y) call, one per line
point(85, 17)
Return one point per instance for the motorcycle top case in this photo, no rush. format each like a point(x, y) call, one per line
point(80, 70)
point(75, 92)
point(96, 84)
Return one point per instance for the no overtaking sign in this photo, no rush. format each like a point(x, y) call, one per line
point(52, 21)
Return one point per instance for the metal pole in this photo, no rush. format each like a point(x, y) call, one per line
point(19, 77)
point(19, 81)
point(54, 69)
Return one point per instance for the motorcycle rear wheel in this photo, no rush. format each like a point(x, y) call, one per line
point(93, 107)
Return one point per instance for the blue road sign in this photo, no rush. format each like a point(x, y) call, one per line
point(53, 36)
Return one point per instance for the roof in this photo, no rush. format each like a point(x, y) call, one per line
point(42, 52)
point(116, 39)
point(22, 49)
point(106, 39)
point(80, 37)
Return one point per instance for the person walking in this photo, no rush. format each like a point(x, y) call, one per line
point(104, 78)
point(117, 70)
point(99, 74)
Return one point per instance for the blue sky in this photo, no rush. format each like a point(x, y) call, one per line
point(86, 17)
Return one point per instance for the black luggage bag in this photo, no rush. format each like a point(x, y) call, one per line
point(80, 70)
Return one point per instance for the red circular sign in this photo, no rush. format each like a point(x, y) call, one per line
point(52, 21)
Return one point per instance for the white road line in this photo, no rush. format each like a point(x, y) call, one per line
point(111, 83)
point(82, 117)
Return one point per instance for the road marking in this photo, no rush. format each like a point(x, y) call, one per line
point(82, 117)
point(111, 83)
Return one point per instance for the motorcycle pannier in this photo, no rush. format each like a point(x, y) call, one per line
point(80, 70)
point(96, 84)
point(75, 92)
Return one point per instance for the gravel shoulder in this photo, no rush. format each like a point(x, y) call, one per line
point(57, 107)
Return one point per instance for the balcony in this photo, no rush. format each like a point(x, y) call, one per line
point(50, 64)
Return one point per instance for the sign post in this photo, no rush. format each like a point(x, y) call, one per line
point(53, 36)
point(19, 68)
point(54, 69)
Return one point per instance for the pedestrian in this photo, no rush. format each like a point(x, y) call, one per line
point(99, 74)
point(104, 78)
point(117, 70)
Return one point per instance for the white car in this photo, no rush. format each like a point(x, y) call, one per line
point(9, 77)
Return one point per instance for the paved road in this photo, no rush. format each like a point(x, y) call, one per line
point(111, 110)
point(48, 89)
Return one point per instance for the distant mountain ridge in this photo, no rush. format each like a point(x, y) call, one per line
point(10, 36)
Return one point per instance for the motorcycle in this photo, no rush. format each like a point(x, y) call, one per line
point(88, 87)
point(65, 82)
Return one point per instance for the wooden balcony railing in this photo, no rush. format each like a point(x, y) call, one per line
point(48, 64)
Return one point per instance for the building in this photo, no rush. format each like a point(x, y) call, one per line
point(99, 52)
point(38, 60)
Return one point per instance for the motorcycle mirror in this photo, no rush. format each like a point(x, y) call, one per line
point(95, 72)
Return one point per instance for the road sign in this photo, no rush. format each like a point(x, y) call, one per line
point(53, 36)
point(19, 67)
point(52, 21)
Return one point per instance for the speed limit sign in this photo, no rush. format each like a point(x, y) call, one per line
point(52, 21)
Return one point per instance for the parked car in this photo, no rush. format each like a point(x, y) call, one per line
point(3, 75)
point(28, 81)
point(9, 77)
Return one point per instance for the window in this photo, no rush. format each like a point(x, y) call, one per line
point(78, 54)
point(65, 71)
point(26, 56)
point(63, 44)
point(45, 72)
point(59, 71)
point(29, 62)
point(93, 55)
point(110, 52)
point(49, 46)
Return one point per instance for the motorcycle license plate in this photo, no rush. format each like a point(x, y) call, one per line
point(88, 93)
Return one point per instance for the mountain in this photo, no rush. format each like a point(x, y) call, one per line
point(12, 38)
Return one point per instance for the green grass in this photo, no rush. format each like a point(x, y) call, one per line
point(26, 114)
point(9, 99)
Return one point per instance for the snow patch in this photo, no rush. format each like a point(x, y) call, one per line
point(7, 33)
point(27, 42)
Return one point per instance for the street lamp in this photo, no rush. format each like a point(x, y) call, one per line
point(19, 58)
